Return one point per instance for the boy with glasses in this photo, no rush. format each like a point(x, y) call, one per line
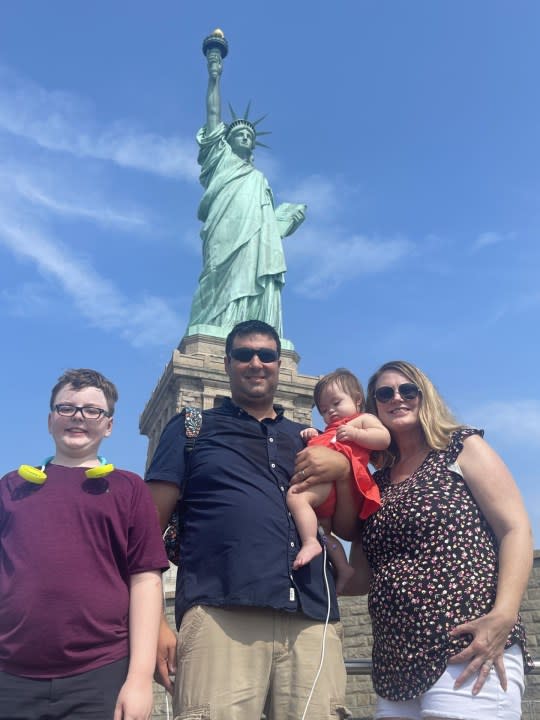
point(80, 572)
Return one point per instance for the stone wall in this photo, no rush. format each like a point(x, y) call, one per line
point(354, 615)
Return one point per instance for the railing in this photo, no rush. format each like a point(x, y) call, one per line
point(530, 706)
point(362, 666)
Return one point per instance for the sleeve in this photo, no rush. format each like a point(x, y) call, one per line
point(455, 446)
point(168, 462)
point(145, 545)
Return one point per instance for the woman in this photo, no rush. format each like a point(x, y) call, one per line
point(446, 563)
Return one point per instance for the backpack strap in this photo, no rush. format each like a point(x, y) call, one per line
point(192, 427)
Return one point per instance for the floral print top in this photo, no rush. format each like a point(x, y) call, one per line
point(434, 560)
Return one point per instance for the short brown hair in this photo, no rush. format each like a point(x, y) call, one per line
point(251, 327)
point(83, 378)
point(346, 381)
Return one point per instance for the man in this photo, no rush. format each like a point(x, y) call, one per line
point(80, 572)
point(250, 628)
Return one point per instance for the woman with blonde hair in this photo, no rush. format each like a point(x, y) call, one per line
point(445, 560)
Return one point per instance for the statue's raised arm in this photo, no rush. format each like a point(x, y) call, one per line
point(243, 260)
point(213, 95)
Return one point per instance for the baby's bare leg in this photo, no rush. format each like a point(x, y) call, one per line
point(301, 505)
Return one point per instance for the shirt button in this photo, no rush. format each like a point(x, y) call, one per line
point(271, 439)
point(292, 544)
point(272, 465)
point(282, 488)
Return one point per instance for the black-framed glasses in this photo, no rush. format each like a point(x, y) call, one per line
point(408, 391)
point(89, 412)
point(245, 354)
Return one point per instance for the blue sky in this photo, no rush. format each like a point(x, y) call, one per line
point(411, 130)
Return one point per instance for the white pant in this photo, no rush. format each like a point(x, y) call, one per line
point(442, 701)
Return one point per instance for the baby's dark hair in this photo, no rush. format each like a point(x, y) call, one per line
point(346, 381)
point(82, 378)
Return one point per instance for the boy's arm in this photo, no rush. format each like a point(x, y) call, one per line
point(365, 430)
point(145, 601)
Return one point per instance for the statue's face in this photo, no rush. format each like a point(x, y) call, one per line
point(242, 142)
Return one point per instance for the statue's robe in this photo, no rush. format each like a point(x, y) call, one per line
point(243, 259)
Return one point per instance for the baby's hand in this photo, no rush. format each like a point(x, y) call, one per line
point(308, 433)
point(346, 432)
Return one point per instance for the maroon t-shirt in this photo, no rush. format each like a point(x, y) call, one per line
point(67, 551)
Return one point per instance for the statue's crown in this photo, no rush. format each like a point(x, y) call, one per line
point(241, 123)
point(246, 122)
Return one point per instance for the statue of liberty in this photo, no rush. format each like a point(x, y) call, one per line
point(243, 261)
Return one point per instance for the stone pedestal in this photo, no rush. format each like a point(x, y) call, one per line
point(195, 376)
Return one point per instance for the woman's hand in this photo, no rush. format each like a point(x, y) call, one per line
point(486, 650)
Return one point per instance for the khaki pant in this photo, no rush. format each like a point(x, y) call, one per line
point(235, 663)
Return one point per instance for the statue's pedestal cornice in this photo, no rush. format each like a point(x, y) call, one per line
point(214, 331)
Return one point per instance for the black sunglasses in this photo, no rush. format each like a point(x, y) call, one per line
point(89, 412)
point(245, 354)
point(408, 391)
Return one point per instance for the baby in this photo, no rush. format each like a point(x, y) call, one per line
point(340, 400)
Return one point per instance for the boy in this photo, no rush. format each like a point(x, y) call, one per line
point(81, 554)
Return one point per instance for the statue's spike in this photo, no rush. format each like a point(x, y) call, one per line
point(237, 121)
point(262, 144)
point(256, 122)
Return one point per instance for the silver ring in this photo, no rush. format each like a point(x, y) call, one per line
point(303, 474)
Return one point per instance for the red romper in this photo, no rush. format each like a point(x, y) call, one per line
point(366, 490)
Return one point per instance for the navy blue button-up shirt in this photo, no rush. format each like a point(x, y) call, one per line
point(238, 540)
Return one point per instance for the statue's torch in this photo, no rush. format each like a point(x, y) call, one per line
point(215, 41)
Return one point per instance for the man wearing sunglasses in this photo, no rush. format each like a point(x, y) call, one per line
point(250, 628)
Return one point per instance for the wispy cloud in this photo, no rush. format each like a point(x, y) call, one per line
point(517, 421)
point(328, 255)
point(26, 300)
point(321, 194)
point(328, 260)
point(61, 121)
point(147, 322)
point(487, 239)
point(50, 193)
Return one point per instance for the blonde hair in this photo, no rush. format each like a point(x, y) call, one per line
point(436, 420)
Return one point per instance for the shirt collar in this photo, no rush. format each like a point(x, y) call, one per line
point(233, 409)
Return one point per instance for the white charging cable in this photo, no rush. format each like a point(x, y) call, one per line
point(323, 644)
point(167, 704)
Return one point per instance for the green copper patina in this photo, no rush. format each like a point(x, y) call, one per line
point(243, 261)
